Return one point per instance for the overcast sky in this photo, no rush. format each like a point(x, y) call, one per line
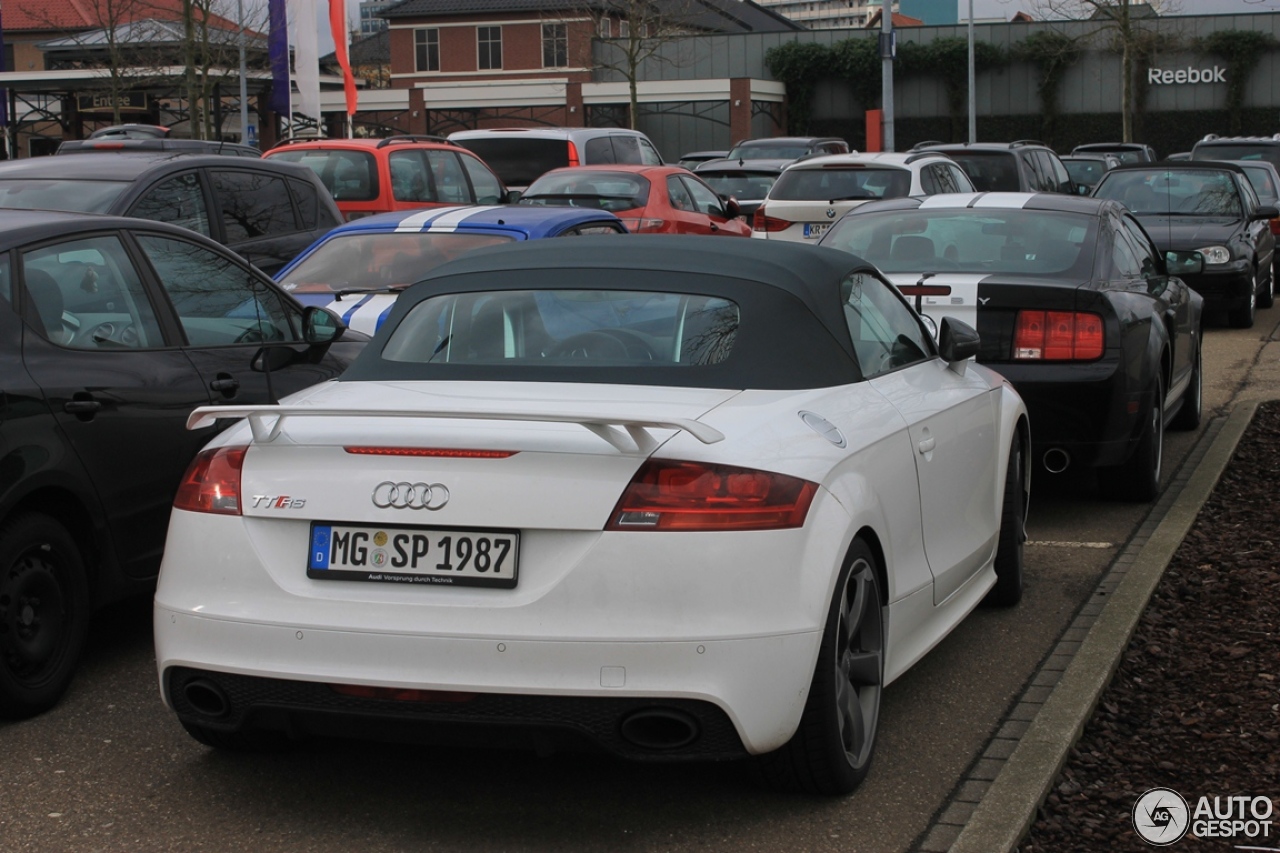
point(1005, 8)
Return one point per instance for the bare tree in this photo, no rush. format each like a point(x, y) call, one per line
point(1129, 26)
point(211, 46)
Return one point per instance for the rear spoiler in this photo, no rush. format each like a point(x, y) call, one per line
point(267, 421)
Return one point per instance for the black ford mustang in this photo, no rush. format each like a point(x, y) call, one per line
point(1209, 207)
point(1074, 304)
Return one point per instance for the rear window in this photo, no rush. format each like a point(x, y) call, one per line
point(1187, 192)
point(1085, 171)
point(519, 160)
point(364, 261)
point(740, 184)
point(990, 171)
point(1238, 151)
point(841, 184)
point(582, 188)
point(348, 175)
point(581, 328)
point(768, 152)
point(1263, 182)
point(55, 194)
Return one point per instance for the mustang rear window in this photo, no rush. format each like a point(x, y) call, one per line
point(554, 328)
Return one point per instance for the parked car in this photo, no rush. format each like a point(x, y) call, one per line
point(693, 159)
point(732, 433)
point(116, 144)
point(1209, 207)
point(1125, 152)
point(131, 131)
point(520, 155)
point(1214, 147)
point(811, 194)
point(265, 211)
point(357, 270)
point(1087, 169)
point(1074, 304)
point(653, 199)
point(745, 181)
point(786, 147)
point(1022, 166)
point(112, 331)
point(1265, 180)
point(368, 176)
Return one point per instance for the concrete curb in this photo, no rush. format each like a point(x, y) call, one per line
point(1008, 808)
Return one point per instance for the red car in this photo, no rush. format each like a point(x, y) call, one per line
point(654, 199)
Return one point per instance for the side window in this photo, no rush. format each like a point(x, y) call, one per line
point(1038, 181)
point(1057, 172)
point(599, 150)
point(626, 149)
point(86, 294)
point(961, 180)
point(1124, 258)
point(486, 184)
point(1250, 196)
point(6, 283)
point(885, 332)
point(218, 302)
point(679, 196)
point(1142, 247)
point(648, 154)
point(178, 200)
point(928, 181)
point(451, 183)
point(253, 204)
point(308, 203)
point(704, 198)
point(409, 178)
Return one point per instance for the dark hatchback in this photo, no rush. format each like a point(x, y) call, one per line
point(1074, 305)
point(112, 330)
point(266, 211)
point(1211, 208)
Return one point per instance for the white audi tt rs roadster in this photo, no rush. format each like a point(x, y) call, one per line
point(666, 496)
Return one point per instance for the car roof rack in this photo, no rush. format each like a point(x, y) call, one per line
point(911, 158)
point(407, 138)
point(1213, 137)
point(928, 143)
point(1020, 142)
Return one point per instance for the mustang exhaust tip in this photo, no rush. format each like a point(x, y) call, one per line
point(660, 728)
point(206, 698)
point(1056, 460)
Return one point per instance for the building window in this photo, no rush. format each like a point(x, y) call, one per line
point(624, 29)
point(426, 49)
point(606, 28)
point(555, 45)
point(489, 42)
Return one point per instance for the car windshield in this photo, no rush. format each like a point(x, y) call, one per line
point(79, 196)
point(972, 240)
point(348, 175)
point(583, 328)
point(768, 152)
point(1170, 192)
point(740, 184)
point(834, 183)
point(1087, 172)
point(589, 188)
point(990, 171)
point(362, 261)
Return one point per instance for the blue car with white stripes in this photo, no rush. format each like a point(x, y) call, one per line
point(358, 269)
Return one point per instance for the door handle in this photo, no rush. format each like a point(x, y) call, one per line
point(927, 444)
point(81, 407)
point(225, 384)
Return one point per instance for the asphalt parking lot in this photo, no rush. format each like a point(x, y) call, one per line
point(111, 769)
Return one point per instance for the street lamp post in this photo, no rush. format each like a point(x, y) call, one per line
point(973, 95)
point(244, 83)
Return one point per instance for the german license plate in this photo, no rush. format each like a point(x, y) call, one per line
point(814, 230)
point(413, 555)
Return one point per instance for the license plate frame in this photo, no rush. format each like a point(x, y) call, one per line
point(814, 230)
point(399, 560)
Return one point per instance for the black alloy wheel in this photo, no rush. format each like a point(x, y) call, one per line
point(831, 751)
point(1138, 479)
point(44, 613)
point(1009, 564)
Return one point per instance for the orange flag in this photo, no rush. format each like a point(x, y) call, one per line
point(338, 24)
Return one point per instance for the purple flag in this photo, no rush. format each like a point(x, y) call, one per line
point(278, 51)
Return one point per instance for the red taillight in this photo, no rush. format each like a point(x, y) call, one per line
point(212, 482)
point(638, 224)
point(573, 155)
point(433, 452)
point(1275, 227)
point(668, 495)
point(768, 223)
point(1058, 336)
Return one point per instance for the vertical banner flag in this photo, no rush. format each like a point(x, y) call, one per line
point(4, 66)
point(338, 25)
point(278, 52)
point(306, 56)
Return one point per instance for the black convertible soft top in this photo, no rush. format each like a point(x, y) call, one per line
point(792, 331)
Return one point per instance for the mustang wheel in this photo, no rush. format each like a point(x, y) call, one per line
point(1138, 479)
point(44, 612)
point(1188, 416)
point(1009, 566)
point(830, 752)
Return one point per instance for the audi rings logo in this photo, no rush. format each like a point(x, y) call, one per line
point(432, 496)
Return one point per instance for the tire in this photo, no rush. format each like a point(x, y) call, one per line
point(44, 613)
point(1009, 563)
point(1267, 297)
point(247, 740)
point(1138, 479)
point(1191, 410)
point(1242, 316)
point(830, 753)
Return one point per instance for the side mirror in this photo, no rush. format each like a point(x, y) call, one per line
point(1184, 263)
point(1081, 189)
point(513, 196)
point(732, 210)
point(957, 343)
point(1266, 211)
point(320, 325)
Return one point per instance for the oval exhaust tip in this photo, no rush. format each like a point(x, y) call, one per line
point(660, 728)
point(206, 698)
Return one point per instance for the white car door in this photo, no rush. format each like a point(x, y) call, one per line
point(951, 418)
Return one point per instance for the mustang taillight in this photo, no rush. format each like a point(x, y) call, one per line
point(761, 222)
point(670, 495)
point(1058, 336)
point(212, 482)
